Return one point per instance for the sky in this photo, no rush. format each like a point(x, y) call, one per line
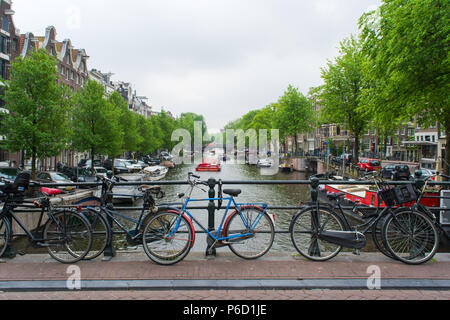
point(218, 58)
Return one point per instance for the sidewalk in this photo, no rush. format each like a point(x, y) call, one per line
point(134, 271)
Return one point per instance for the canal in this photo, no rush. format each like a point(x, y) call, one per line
point(274, 195)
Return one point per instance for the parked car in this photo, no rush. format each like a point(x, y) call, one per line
point(396, 172)
point(425, 173)
point(369, 165)
point(100, 171)
point(9, 173)
point(55, 177)
point(120, 166)
point(85, 163)
point(165, 156)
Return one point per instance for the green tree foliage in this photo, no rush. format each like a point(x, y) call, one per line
point(407, 45)
point(39, 108)
point(294, 114)
point(341, 93)
point(127, 122)
point(96, 122)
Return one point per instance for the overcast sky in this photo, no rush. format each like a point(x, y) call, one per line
point(219, 58)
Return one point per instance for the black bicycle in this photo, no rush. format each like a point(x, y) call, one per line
point(414, 236)
point(66, 234)
point(102, 216)
point(320, 231)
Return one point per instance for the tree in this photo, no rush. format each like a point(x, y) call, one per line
point(151, 135)
point(341, 93)
point(39, 108)
point(127, 122)
point(406, 43)
point(294, 114)
point(96, 123)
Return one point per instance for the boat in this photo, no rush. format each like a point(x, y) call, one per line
point(284, 167)
point(368, 195)
point(155, 173)
point(208, 167)
point(264, 163)
point(127, 194)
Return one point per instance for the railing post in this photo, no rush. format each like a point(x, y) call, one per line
point(314, 189)
point(109, 251)
point(210, 249)
point(314, 249)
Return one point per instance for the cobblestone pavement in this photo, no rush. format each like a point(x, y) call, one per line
point(136, 266)
point(129, 266)
point(230, 295)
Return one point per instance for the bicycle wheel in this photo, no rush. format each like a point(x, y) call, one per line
point(167, 238)
point(252, 234)
point(411, 236)
point(101, 233)
point(68, 236)
point(377, 237)
point(304, 233)
point(5, 234)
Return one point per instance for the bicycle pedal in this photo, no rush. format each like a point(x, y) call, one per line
point(21, 253)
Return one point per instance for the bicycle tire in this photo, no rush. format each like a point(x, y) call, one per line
point(263, 235)
point(310, 246)
point(377, 237)
point(5, 234)
point(159, 240)
point(411, 236)
point(67, 236)
point(101, 233)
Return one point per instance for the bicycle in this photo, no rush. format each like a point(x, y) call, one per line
point(66, 234)
point(103, 217)
point(248, 231)
point(413, 237)
point(319, 233)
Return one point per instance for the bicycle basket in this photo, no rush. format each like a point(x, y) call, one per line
point(388, 196)
point(20, 184)
point(405, 194)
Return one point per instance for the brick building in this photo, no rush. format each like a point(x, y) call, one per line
point(9, 50)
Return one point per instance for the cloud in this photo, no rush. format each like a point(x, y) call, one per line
point(220, 58)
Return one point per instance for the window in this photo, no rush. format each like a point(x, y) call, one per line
point(5, 24)
point(3, 45)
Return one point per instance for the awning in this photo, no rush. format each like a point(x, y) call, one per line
point(421, 143)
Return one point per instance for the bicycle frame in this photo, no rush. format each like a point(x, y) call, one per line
point(238, 207)
point(113, 214)
point(8, 212)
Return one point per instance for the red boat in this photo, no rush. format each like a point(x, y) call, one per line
point(208, 167)
point(367, 196)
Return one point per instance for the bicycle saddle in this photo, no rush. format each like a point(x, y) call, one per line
point(232, 192)
point(334, 196)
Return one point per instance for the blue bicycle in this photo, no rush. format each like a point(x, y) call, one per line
point(248, 231)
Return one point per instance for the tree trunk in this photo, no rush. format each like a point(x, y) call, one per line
point(356, 150)
point(33, 164)
point(113, 159)
point(447, 152)
point(92, 161)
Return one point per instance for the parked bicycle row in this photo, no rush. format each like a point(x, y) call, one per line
point(319, 231)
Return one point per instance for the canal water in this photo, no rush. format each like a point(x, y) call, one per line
point(273, 195)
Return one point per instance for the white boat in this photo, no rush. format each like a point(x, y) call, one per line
point(127, 193)
point(264, 163)
point(155, 173)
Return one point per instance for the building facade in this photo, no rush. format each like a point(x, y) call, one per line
point(9, 51)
